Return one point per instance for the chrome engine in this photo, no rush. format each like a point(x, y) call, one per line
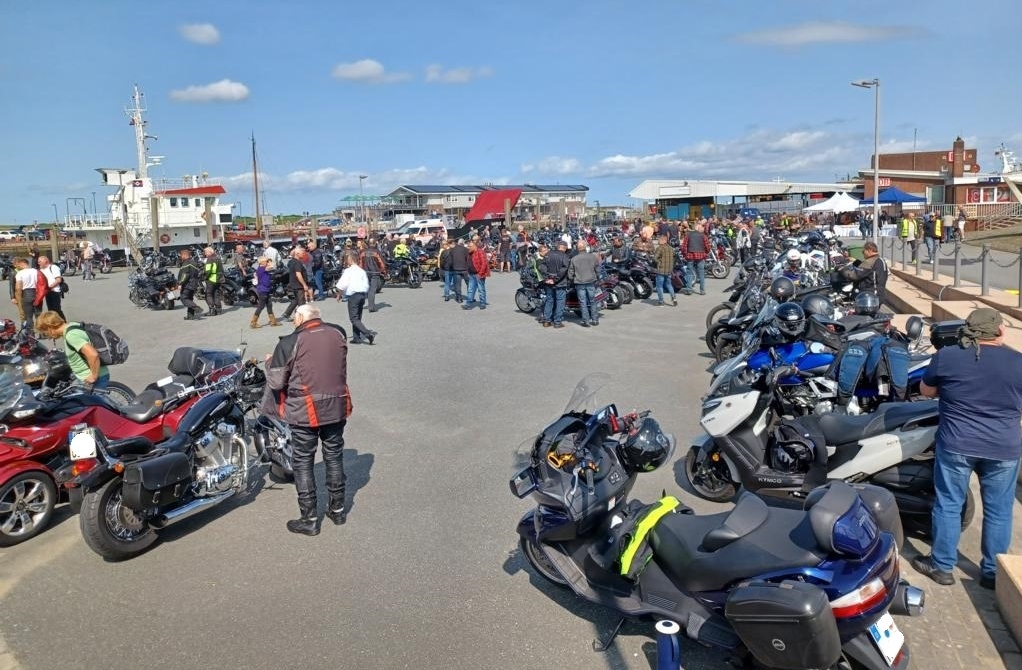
point(221, 461)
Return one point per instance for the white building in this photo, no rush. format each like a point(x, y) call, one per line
point(694, 198)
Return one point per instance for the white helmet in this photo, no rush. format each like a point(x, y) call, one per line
point(793, 256)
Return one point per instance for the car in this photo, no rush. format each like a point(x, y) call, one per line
point(8, 235)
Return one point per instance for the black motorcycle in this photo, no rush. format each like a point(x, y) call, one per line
point(405, 271)
point(155, 288)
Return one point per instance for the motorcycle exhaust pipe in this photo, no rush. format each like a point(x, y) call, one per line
point(908, 600)
point(187, 510)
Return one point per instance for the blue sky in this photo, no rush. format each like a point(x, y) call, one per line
point(604, 93)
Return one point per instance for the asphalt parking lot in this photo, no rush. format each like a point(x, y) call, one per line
point(426, 573)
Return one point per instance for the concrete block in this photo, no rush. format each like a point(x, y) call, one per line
point(1009, 592)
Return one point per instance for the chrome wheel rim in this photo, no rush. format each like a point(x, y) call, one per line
point(23, 507)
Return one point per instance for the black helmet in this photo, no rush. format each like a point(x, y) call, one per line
point(646, 448)
point(819, 305)
point(790, 319)
point(867, 304)
point(782, 289)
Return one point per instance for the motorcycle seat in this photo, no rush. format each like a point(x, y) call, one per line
point(130, 446)
point(844, 429)
point(147, 405)
point(177, 442)
point(706, 553)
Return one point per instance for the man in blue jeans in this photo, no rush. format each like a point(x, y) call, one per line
point(554, 268)
point(979, 383)
point(583, 272)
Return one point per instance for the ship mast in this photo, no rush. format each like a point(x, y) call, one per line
point(135, 113)
point(255, 180)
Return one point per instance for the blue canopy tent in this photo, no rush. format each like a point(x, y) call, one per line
point(893, 195)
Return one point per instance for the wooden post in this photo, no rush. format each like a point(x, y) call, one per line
point(313, 230)
point(154, 223)
point(507, 212)
point(207, 214)
point(55, 244)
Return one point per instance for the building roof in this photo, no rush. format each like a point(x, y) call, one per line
point(654, 189)
point(475, 188)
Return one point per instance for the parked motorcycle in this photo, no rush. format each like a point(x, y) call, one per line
point(532, 295)
point(792, 588)
point(404, 270)
point(155, 288)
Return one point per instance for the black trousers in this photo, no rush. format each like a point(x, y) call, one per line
point(375, 281)
point(263, 300)
point(213, 297)
point(459, 277)
point(304, 440)
point(297, 299)
point(356, 301)
point(53, 300)
point(27, 298)
point(188, 300)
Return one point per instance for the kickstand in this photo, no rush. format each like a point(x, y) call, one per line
point(600, 646)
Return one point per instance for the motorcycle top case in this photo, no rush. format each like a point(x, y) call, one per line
point(788, 625)
point(156, 482)
point(945, 333)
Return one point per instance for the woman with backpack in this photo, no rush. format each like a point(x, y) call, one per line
point(81, 354)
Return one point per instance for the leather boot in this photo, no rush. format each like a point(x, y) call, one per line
point(308, 524)
point(254, 323)
point(336, 511)
point(273, 321)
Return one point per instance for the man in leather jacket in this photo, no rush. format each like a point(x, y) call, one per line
point(459, 260)
point(307, 388)
point(189, 275)
point(554, 268)
point(374, 265)
point(870, 274)
point(214, 276)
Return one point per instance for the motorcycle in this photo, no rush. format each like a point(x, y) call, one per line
point(793, 588)
point(531, 296)
point(891, 448)
point(232, 286)
point(126, 490)
point(155, 288)
point(404, 270)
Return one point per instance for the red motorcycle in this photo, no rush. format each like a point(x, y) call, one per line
point(34, 432)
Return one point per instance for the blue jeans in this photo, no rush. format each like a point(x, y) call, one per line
point(475, 282)
point(448, 283)
point(664, 282)
point(931, 247)
point(553, 306)
point(997, 490)
point(587, 302)
point(317, 278)
point(697, 271)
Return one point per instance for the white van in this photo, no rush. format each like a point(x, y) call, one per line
point(423, 229)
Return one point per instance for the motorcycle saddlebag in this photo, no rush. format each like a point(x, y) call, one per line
point(788, 625)
point(156, 482)
point(945, 333)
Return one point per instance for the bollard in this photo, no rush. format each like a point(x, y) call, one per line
point(919, 259)
point(904, 255)
point(936, 264)
point(1019, 287)
point(958, 264)
point(668, 650)
point(984, 284)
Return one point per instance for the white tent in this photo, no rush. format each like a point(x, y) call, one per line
point(839, 202)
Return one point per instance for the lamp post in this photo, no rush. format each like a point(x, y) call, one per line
point(56, 214)
point(95, 212)
point(361, 199)
point(875, 85)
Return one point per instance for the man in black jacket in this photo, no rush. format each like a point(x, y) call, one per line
point(214, 275)
point(459, 260)
point(870, 274)
point(297, 282)
point(554, 268)
point(189, 275)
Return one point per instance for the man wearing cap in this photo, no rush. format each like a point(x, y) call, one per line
point(979, 383)
point(554, 268)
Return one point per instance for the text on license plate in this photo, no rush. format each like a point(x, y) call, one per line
point(887, 637)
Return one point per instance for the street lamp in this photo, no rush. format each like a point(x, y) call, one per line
point(56, 214)
point(361, 199)
point(875, 85)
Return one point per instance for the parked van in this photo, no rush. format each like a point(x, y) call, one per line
point(422, 229)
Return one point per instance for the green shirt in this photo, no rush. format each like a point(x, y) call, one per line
point(74, 339)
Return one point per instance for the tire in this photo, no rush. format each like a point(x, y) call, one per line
point(643, 288)
point(540, 564)
point(168, 304)
point(251, 296)
point(712, 335)
point(110, 530)
point(627, 291)
point(718, 488)
point(105, 269)
point(138, 298)
point(118, 393)
point(414, 279)
point(717, 313)
point(726, 349)
point(720, 270)
point(524, 302)
point(70, 272)
point(229, 298)
point(614, 299)
point(26, 506)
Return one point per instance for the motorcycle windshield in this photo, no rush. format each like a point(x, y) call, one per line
point(11, 389)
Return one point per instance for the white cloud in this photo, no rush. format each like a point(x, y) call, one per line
point(367, 71)
point(224, 90)
point(436, 74)
point(335, 179)
point(554, 165)
point(200, 33)
point(828, 32)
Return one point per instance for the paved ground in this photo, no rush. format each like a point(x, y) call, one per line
point(426, 574)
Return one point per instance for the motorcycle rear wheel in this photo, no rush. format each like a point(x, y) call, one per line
point(539, 562)
point(105, 269)
point(627, 291)
point(114, 532)
point(719, 488)
point(117, 393)
point(713, 334)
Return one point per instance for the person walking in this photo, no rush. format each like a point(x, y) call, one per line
point(28, 295)
point(443, 262)
point(504, 252)
point(909, 233)
point(554, 268)
point(297, 283)
point(307, 388)
point(214, 277)
point(664, 259)
point(263, 287)
point(375, 268)
point(81, 355)
point(88, 254)
point(478, 271)
point(460, 259)
point(189, 275)
point(695, 247)
point(583, 273)
point(316, 262)
point(929, 234)
point(979, 384)
point(354, 285)
point(54, 285)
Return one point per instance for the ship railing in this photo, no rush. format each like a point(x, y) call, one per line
point(87, 222)
point(184, 182)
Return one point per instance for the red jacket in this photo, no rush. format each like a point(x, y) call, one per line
point(481, 263)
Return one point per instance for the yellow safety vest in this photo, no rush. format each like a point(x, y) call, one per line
point(905, 225)
point(937, 227)
point(211, 275)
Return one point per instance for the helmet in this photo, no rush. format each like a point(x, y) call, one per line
point(818, 305)
point(867, 304)
point(793, 256)
point(781, 289)
point(646, 448)
point(790, 319)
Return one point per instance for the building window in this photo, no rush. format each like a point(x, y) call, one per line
point(195, 232)
point(198, 202)
point(173, 202)
point(989, 194)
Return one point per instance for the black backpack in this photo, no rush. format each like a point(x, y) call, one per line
point(111, 348)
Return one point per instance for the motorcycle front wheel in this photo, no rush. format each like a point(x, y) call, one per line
point(720, 269)
point(26, 505)
point(414, 279)
point(138, 297)
point(717, 313)
point(726, 349)
point(229, 298)
point(643, 288)
point(627, 291)
point(614, 298)
point(111, 530)
point(105, 269)
point(713, 334)
point(540, 563)
point(710, 479)
point(524, 303)
point(71, 271)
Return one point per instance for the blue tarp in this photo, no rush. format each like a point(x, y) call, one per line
point(893, 195)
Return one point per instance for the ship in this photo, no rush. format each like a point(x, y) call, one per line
point(146, 213)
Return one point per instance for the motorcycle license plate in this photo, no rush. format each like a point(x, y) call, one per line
point(171, 295)
point(887, 637)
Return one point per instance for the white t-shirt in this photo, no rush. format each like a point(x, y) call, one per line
point(52, 274)
point(26, 277)
point(273, 255)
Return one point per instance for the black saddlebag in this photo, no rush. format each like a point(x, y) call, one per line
point(788, 625)
point(156, 482)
